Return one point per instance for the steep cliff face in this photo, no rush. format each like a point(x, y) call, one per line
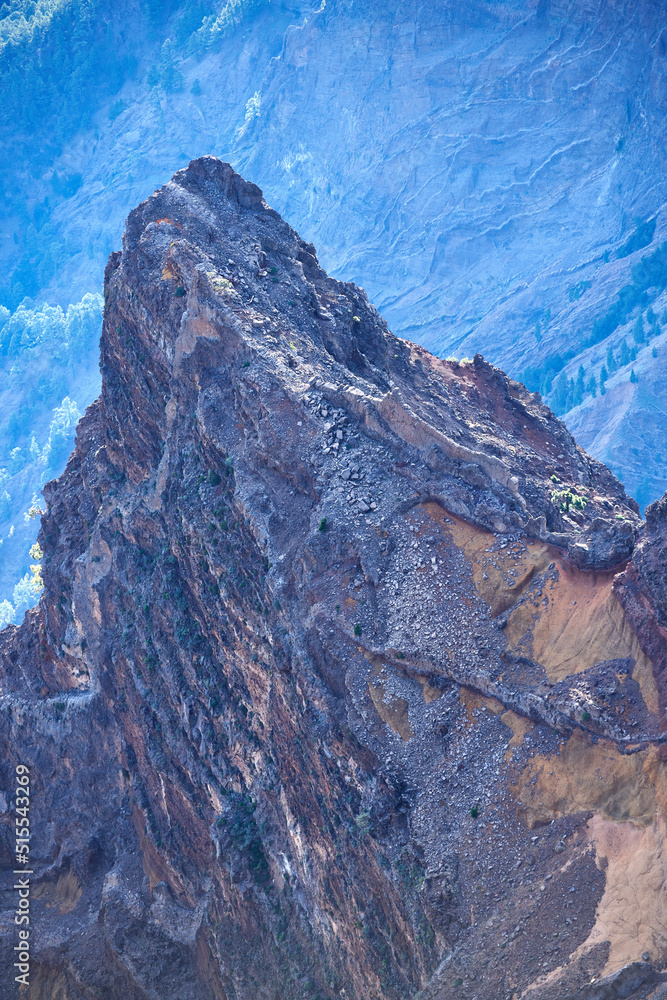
point(345, 680)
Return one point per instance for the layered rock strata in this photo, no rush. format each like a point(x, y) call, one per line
point(347, 679)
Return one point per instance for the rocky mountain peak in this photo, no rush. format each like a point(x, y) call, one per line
point(345, 670)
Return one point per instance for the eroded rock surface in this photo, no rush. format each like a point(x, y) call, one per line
point(347, 679)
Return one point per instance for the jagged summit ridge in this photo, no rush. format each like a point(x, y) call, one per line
point(327, 318)
point(322, 613)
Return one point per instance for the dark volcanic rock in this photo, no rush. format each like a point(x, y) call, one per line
point(330, 691)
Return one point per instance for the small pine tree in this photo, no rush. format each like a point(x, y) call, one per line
point(633, 377)
point(592, 386)
point(560, 393)
point(643, 494)
point(603, 378)
point(611, 360)
point(638, 330)
point(625, 353)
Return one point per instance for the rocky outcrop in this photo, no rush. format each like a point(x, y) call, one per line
point(338, 685)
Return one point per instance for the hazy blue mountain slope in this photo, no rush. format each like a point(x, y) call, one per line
point(492, 173)
point(72, 186)
point(48, 372)
point(492, 183)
